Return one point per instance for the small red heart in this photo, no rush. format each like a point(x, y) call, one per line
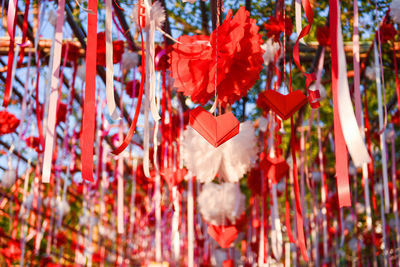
point(216, 130)
point(228, 263)
point(274, 168)
point(173, 177)
point(285, 105)
point(224, 235)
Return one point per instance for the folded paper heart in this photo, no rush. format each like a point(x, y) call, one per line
point(173, 177)
point(223, 235)
point(285, 105)
point(228, 263)
point(216, 130)
point(274, 168)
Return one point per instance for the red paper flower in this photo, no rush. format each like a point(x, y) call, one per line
point(74, 51)
point(8, 122)
point(118, 50)
point(323, 36)
point(387, 32)
point(129, 88)
point(11, 252)
point(61, 113)
point(277, 25)
point(161, 59)
point(61, 238)
point(193, 63)
point(33, 142)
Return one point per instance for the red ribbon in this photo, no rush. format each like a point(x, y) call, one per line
point(341, 155)
point(89, 106)
point(138, 105)
point(299, 214)
point(11, 32)
point(396, 74)
point(310, 77)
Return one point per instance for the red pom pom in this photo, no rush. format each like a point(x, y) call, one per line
point(8, 122)
point(33, 142)
point(118, 50)
point(277, 25)
point(387, 32)
point(323, 36)
point(240, 60)
point(74, 51)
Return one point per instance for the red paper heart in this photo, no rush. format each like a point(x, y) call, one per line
point(224, 235)
point(285, 105)
point(216, 130)
point(274, 168)
point(228, 263)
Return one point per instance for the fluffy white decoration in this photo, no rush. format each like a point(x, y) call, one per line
point(370, 73)
point(26, 205)
point(155, 12)
point(322, 90)
point(219, 203)
point(270, 47)
point(61, 207)
point(395, 11)
point(316, 176)
point(81, 71)
point(86, 219)
point(263, 124)
point(8, 178)
point(360, 208)
point(129, 60)
point(52, 17)
point(231, 160)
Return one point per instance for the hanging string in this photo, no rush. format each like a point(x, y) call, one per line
point(381, 68)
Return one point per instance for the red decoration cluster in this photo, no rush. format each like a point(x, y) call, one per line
point(323, 36)
point(8, 122)
point(277, 25)
point(118, 50)
point(236, 43)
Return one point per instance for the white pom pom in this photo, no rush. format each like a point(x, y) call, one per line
point(360, 208)
point(52, 17)
point(154, 13)
point(231, 160)
point(8, 178)
point(322, 90)
point(221, 203)
point(262, 124)
point(81, 72)
point(129, 60)
point(270, 47)
point(395, 11)
point(370, 73)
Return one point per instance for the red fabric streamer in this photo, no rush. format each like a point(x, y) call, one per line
point(193, 63)
point(310, 77)
point(132, 128)
point(341, 155)
point(89, 106)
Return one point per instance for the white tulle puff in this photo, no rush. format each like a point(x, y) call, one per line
point(129, 60)
point(154, 13)
point(8, 178)
point(270, 47)
point(220, 204)
point(370, 73)
point(230, 161)
point(395, 11)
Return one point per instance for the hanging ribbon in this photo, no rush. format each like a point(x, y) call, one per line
point(299, 214)
point(109, 64)
point(51, 121)
point(313, 96)
point(132, 128)
point(382, 134)
point(343, 112)
point(356, 65)
point(89, 109)
point(11, 24)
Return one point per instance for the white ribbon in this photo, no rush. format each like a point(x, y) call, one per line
point(381, 125)
point(55, 81)
point(276, 233)
point(351, 132)
point(110, 64)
